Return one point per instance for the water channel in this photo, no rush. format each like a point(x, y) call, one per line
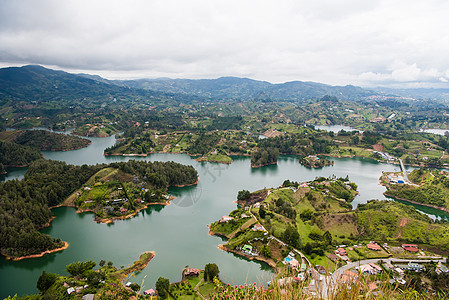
point(177, 232)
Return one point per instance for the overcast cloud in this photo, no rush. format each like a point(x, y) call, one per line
point(369, 43)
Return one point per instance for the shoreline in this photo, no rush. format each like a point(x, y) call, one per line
point(204, 159)
point(387, 186)
point(128, 216)
point(70, 149)
point(264, 165)
point(269, 262)
point(137, 266)
point(417, 203)
point(66, 245)
point(184, 185)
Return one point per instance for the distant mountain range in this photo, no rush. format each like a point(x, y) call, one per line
point(36, 83)
point(248, 89)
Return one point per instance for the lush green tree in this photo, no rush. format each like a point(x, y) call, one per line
point(94, 278)
point(262, 212)
point(327, 236)
point(306, 215)
point(78, 268)
point(291, 237)
point(266, 251)
point(102, 262)
point(162, 287)
point(45, 281)
point(243, 195)
point(210, 271)
point(135, 287)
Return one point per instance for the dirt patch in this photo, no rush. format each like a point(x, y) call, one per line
point(272, 133)
point(300, 193)
point(403, 222)
point(166, 148)
point(396, 250)
point(332, 221)
point(378, 147)
point(254, 198)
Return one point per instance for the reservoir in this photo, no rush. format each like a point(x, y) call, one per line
point(178, 232)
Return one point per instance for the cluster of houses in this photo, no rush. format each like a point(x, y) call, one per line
point(292, 262)
point(395, 178)
point(70, 290)
point(342, 253)
point(384, 155)
point(411, 266)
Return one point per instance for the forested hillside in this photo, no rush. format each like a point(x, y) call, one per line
point(12, 154)
point(46, 140)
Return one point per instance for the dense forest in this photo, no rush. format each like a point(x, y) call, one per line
point(24, 204)
point(16, 155)
point(159, 174)
point(263, 157)
point(46, 140)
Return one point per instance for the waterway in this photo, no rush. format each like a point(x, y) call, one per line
point(336, 128)
point(435, 131)
point(177, 232)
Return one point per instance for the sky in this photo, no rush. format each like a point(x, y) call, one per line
point(396, 43)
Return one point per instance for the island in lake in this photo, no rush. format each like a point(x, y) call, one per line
point(114, 191)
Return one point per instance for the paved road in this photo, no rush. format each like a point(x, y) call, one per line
point(329, 283)
point(404, 172)
point(313, 272)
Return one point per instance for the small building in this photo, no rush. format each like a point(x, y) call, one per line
point(411, 267)
point(88, 297)
point(247, 249)
point(367, 270)
point(303, 267)
point(70, 290)
point(399, 271)
point(226, 219)
point(150, 292)
point(304, 185)
point(192, 272)
point(341, 251)
point(372, 286)
point(258, 227)
point(410, 248)
point(373, 246)
point(349, 277)
point(378, 268)
point(320, 269)
point(441, 269)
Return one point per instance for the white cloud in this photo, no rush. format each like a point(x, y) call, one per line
point(336, 42)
